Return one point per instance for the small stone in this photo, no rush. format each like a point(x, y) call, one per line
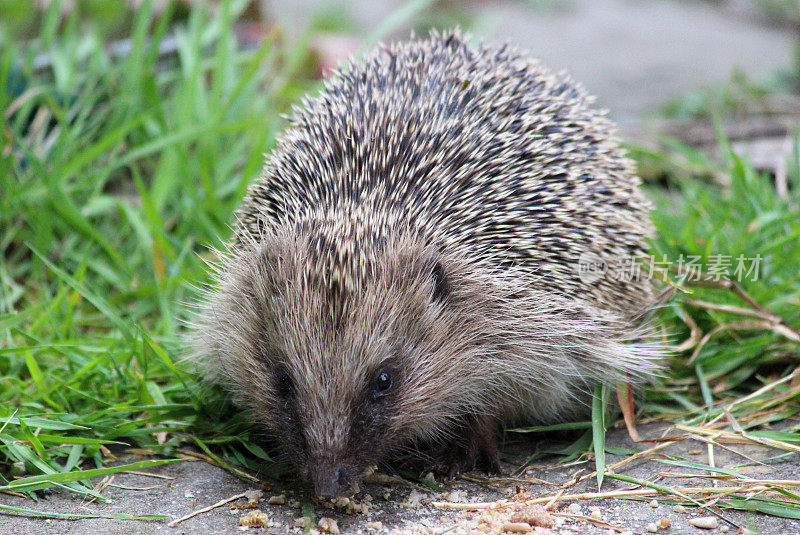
point(653, 504)
point(413, 500)
point(704, 522)
point(516, 527)
point(679, 509)
point(574, 508)
point(294, 503)
point(341, 501)
point(596, 514)
point(375, 525)
point(651, 528)
point(328, 525)
point(664, 523)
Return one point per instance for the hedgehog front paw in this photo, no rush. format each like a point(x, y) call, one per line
point(475, 446)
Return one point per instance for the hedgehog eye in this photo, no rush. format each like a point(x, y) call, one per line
point(382, 383)
point(284, 384)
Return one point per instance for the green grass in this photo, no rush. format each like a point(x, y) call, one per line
point(115, 173)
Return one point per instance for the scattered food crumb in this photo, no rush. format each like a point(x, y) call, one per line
point(704, 522)
point(253, 496)
point(679, 508)
point(375, 525)
point(724, 529)
point(664, 523)
point(653, 504)
point(254, 518)
point(455, 496)
point(516, 527)
point(328, 525)
point(651, 528)
point(277, 500)
point(596, 514)
point(534, 515)
point(695, 452)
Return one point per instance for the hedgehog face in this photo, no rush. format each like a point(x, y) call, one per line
point(343, 367)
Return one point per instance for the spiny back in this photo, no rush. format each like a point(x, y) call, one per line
point(479, 150)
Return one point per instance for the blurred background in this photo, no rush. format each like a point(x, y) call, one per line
point(636, 55)
point(658, 66)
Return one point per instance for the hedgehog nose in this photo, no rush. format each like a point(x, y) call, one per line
point(330, 481)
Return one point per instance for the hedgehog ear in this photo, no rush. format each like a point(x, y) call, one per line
point(440, 282)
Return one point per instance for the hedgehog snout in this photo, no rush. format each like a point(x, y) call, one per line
point(331, 480)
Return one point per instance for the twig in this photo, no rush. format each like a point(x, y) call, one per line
point(623, 462)
point(735, 326)
point(206, 509)
point(778, 323)
point(549, 505)
point(695, 333)
point(741, 438)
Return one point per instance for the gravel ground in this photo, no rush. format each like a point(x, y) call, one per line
point(405, 507)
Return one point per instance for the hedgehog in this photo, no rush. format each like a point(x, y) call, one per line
point(404, 279)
